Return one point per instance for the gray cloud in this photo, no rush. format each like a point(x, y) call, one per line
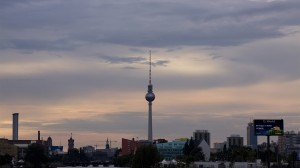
point(118, 60)
point(246, 40)
point(132, 60)
point(160, 63)
point(144, 23)
point(34, 44)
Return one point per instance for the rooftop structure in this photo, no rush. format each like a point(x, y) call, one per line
point(200, 135)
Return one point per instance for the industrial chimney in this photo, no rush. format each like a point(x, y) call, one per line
point(15, 126)
point(39, 136)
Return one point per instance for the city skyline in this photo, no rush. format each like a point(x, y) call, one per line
point(82, 67)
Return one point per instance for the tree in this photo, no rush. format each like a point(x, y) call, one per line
point(123, 161)
point(186, 148)
point(146, 156)
point(192, 144)
point(5, 159)
point(197, 154)
point(36, 155)
point(191, 152)
point(292, 157)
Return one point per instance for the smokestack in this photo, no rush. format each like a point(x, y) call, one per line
point(39, 136)
point(15, 126)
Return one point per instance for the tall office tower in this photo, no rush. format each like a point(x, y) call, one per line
point(70, 143)
point(150, 97)
point(15, 126)
point(251, 137)
point(200, 135)
point(289, 142)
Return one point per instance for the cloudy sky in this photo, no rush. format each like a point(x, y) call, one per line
point(80, 66)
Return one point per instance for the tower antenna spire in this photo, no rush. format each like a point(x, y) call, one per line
point(150, 64)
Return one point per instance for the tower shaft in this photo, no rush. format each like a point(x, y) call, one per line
point(150, 138)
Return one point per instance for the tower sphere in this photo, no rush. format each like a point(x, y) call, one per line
point(150, 97)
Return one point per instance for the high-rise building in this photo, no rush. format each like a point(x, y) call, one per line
point(251, 137)
point(15, 126)
point(150, 97)
point(289, 142)
point(200, 135)
point(128, 146)
point(235, 140)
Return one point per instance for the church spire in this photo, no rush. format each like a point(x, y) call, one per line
point(107, 144)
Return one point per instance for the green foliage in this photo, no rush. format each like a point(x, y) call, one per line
point(123, 161)
point(192, 145)
point(191, 152)
point(236, 154)
point(186, 148)
point(292, 157)
point(146, 156)
point(242, 154)
point(263, 156)
point(36, 155)
point(197, 154)
point(5, 159)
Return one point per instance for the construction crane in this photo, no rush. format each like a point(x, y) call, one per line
point(108, 142)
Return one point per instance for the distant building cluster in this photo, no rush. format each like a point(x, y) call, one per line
point(289, 142)
point(286, 144)
point(18, 148)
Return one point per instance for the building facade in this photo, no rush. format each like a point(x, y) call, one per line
point(171, 150)
point(289, 142)
point(7, 148)
point(219, 147)
point(22, 146)
point(251, 137)
point(235, 141)
point(128, 146)
point(205, 149)
point(70, 143)
point(200, 135)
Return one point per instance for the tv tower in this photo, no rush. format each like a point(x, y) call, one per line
point(150, 97)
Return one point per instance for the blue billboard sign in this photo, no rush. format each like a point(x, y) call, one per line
point(264, 127)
